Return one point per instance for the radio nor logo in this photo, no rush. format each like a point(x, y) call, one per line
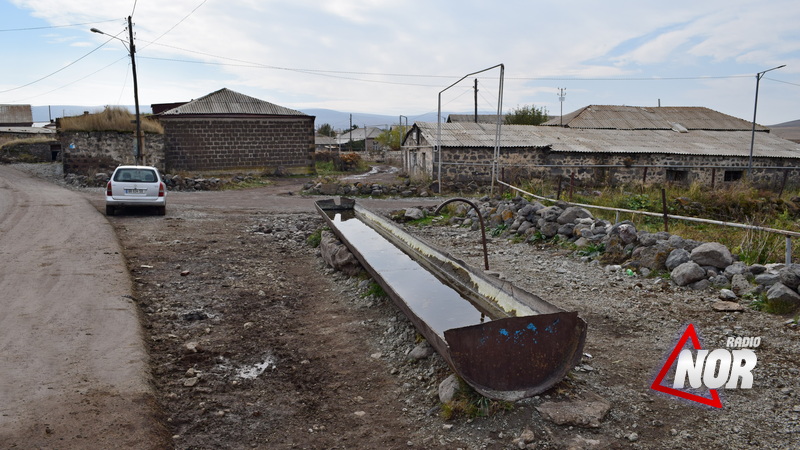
point(731, 368)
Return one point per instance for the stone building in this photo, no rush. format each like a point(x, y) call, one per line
point(606, 145)
point(226, 130)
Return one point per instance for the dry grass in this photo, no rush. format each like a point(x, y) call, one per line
point(736, 202)
point(112, 118)
point(27, 141)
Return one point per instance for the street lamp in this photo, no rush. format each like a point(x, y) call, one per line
point(131, 47)
point(759, 75)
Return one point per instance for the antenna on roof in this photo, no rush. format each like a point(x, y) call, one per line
point(562, 94)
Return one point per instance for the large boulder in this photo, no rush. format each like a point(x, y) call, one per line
point(783, 298)
point(654, 257)
point(571, 213)
point(550, 213)
point(790, 275)
point(687, 273)
point(626, 232)
point(712, 254)
point(676, 258)
point(337, 255)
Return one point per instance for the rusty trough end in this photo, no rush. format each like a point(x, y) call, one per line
point(505, 342)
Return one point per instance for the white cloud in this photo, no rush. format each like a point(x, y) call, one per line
point(582, 39)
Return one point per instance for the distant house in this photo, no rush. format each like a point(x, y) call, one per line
point(16, 116)
point(16, 125)
point(365, 137)
point(228, 130)
point(325, 143)
point(606, 144)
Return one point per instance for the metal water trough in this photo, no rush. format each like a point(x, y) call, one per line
point(505, 342)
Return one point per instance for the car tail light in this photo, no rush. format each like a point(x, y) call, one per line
point(108, 189)
point(161, 189)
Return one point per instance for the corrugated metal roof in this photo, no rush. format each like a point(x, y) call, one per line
point(359, 134)
point(226, 101)
point(27, 130)
point(324, 140)
point(693, 142)
point(16, 114)
point(482, 118)
point(651, 118)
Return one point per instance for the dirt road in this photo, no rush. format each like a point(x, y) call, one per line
point(72, 363)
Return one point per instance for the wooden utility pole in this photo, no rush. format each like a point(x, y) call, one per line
point(476, 100)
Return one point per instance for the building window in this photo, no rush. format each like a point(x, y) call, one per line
point(677, 176)
point(733, 175)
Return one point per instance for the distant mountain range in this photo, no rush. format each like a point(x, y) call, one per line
point(336, 119)
point(341, 120)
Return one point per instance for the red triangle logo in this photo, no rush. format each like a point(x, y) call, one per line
point(690, 333)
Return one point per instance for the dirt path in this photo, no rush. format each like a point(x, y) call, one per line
point(72, 363)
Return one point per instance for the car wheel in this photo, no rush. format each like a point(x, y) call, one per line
point(162, 210)
point(110, 210)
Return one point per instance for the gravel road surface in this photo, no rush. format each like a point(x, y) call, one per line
point(73, 368)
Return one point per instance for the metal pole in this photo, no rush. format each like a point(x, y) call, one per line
point(499, 123)
point(139, 137)
point(753, 131)
point(439, 120)
point(664, 208)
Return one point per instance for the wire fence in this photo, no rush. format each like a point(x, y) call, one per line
point(667, 217)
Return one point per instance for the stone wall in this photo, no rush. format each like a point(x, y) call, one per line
point(87, 153)
point(30, 152)
point(275, 144)
point(462, 165)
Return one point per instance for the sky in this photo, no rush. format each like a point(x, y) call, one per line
point(402, 58)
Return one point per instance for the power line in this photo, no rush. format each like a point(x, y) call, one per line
point(179, 22)
point(59, 70)
point(72, 82)
point(57, 26)
point(406, 75)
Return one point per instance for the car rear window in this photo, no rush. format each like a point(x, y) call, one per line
point(136, 175)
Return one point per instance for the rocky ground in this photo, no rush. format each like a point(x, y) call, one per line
point(255, 343)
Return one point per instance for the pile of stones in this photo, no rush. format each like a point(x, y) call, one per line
point(405, 189)
point(696, 265)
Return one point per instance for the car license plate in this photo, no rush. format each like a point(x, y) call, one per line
point(135, 191)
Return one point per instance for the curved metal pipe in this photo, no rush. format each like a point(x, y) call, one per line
point(480, 219)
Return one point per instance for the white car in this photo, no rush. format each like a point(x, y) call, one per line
point(136, 186)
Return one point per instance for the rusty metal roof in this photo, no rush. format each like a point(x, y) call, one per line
point(558, 139)
point(652, 118)
point(226, 101)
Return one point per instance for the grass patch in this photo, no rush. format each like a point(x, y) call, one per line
point(112, 118)
point(593, 250)
point(27, 141)
point(735, 202)
point(315, 238)
point(470, 404)
point(375, 289)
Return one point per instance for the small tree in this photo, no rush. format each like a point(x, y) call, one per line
point(392, 138)
point(527, 115)
point(326, 130)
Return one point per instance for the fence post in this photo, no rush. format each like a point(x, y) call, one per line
point(788, 249)
point(664, 208)
point(713, 177)
point(558, 192)
point(644, 176)
point(783, 185)
point(571, 184)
